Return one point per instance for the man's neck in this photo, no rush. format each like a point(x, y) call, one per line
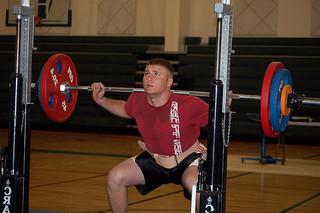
point(158, 100)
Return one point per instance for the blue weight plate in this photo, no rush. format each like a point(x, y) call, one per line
point(281, 78)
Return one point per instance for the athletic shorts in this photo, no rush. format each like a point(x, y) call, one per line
point(156, 175)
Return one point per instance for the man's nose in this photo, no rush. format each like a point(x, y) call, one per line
point(149, 77)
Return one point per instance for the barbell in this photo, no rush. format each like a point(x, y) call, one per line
point(58, 91)
point(65, 88)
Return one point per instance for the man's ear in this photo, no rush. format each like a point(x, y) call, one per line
point(170, 82)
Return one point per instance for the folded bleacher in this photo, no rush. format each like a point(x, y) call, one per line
point(120, 60)
point(249, 61)
point(110, 59)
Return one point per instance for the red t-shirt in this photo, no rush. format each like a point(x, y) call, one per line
point(171, 128)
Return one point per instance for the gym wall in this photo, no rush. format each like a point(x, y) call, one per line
point(176, 19)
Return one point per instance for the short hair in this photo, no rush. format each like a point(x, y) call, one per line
point(162, 62)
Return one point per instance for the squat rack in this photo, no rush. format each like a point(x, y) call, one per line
point(15, 165)
point(212, 174)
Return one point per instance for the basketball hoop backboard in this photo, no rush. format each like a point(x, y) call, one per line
point(47, 12)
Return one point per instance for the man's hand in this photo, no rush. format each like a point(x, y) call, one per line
point(97, 92)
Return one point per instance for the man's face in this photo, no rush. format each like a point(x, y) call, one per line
point(156, 79)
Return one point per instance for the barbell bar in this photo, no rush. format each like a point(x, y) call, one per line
point(304, 100)
point(58, 91)
point(65, 88)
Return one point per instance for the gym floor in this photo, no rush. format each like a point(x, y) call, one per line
point(68, 174)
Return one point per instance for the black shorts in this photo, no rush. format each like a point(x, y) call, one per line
point(156, 175)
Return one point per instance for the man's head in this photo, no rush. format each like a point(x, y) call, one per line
point(158, 76)
point(162, 62)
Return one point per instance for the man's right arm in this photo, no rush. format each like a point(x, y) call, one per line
point(116, 107)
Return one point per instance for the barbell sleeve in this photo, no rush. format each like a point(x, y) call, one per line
point(311, 101)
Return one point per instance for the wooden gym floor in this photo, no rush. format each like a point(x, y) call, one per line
point(68, 173)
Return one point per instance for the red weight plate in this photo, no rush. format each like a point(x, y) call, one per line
point(265, 99)
point(58, 69)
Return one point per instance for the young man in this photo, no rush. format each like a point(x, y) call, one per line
point(170, 126)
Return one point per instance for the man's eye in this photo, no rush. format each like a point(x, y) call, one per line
point(152, 74)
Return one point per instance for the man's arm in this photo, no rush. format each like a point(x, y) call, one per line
point(116, 107)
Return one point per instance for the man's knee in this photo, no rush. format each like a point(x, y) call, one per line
point(189, 178)
point(116, 178)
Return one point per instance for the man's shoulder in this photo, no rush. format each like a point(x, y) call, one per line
point(185, 99)
point(138, 95)
point(182, 97)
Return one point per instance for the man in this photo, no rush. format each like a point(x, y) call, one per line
point(170, 126)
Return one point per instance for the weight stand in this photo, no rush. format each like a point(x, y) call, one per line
point(267, 159)
point(15, 162)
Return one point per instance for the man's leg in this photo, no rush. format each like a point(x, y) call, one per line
point(190, 178)
point(125, 174)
